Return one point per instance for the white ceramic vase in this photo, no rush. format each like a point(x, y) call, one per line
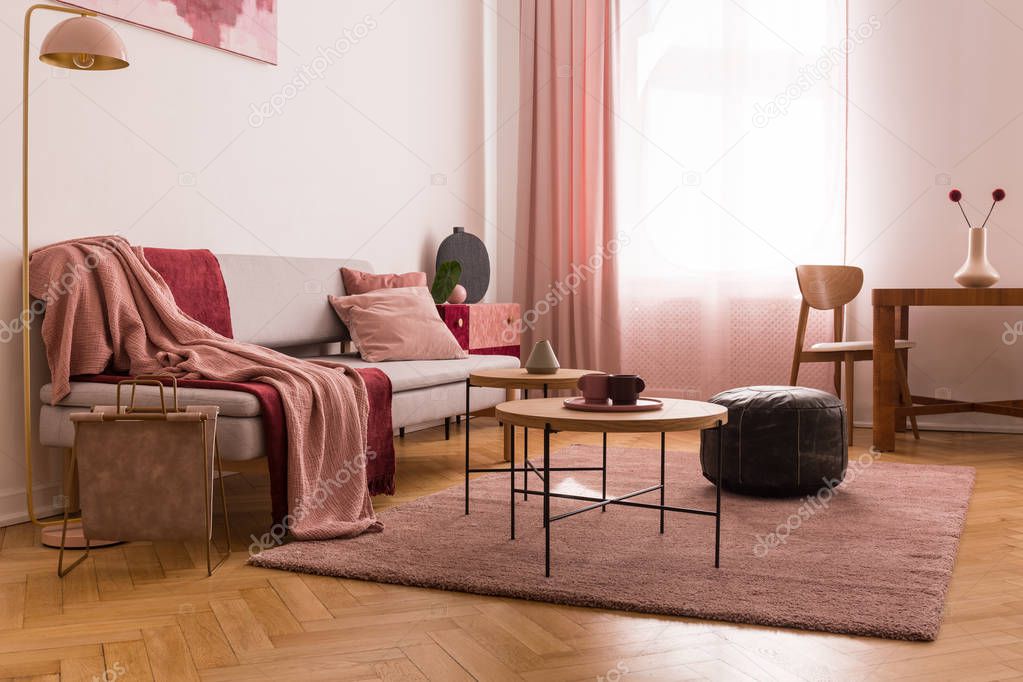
point(542, 360)
point(977, 272)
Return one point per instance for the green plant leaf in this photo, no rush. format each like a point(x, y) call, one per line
point(448, 274)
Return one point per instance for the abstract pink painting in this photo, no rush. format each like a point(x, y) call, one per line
point(246, 27)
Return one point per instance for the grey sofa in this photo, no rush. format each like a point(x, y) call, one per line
point(282, 303)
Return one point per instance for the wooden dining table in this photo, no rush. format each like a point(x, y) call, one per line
point(891, 321)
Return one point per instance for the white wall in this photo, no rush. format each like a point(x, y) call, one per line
point(935, 104)
point(376, 159)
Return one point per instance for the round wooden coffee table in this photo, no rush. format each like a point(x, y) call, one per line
point(551, 415)
point(514, 379)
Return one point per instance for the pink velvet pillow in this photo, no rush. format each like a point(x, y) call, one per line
point(397, 324)
point(359, 282)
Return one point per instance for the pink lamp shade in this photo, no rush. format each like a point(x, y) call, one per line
point(84, 44)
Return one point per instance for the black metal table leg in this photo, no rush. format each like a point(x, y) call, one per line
point(717, 508)
point(662, 482)
point(525, 455)
point(547, 498)
point(467, 385)
point(511, 477)
point(603, 474)
point(447, 428)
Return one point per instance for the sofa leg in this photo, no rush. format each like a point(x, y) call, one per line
point(401, 432)
point(458, 419)
point(447, 428)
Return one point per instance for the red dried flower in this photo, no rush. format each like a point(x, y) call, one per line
point(956, 195)
point(998, 194)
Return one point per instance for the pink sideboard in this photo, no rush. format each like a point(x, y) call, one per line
point(484, 328)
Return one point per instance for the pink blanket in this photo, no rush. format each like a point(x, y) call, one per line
point(107, 308)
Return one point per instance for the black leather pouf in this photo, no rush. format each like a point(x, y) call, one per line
point(780, 441)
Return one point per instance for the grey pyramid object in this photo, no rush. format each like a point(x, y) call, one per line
point(542, 360)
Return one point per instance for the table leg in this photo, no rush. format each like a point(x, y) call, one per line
point(603, 474)
point(717, 495)
point(902, 332)
point(547, 498)
point(885, 387)
point(525, 455)
point(511, 477)
point(467, 385)
point(662, 482)
point(509, 395)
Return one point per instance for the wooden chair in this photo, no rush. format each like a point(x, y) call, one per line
point(831, 287)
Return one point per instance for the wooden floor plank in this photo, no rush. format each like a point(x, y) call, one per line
point(240, 626)
point(143, 563)
point(206, 641)
point(472, 656)
point(82, 669)
point(127, 661)
point(42, 594)
point(271, 612)
point(330, 591)
point(112, 572)
point(400, 670)
point(168, 654)
point(12, 605)
point(300, 599)
point(436, 664)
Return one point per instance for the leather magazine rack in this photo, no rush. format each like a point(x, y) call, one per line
point(146, 473)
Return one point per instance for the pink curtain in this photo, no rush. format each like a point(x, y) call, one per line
point(566, 246)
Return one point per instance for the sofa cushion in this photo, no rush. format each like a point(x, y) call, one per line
point(397, 324)
point(281, 302)
point(408, 375)
point(359, 282)
point(239, 438)
point(87, 394)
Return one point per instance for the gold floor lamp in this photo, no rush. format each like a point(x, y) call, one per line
point(81, 44)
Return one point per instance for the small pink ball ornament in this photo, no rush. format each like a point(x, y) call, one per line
point(458, 294)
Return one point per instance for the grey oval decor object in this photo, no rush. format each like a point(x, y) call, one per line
point(471, 254)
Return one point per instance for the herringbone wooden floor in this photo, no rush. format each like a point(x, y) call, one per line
point(146, 611)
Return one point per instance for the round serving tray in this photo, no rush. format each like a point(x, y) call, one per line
point(642, 405)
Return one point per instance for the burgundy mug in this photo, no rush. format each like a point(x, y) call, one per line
point(625, 388)
point(595, 388)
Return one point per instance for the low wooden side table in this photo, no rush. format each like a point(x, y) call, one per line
point(551, 415)
point(510, 380)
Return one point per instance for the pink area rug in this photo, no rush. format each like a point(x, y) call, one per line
point(871, 557)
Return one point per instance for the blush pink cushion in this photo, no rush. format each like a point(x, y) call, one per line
point(397, 324)
point(359, 282)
